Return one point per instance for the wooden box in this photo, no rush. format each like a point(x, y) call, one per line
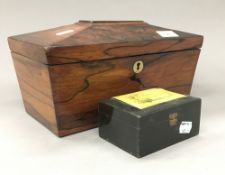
point(65, 71)
point(149, 120)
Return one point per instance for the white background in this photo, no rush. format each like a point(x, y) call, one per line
point(26, 147)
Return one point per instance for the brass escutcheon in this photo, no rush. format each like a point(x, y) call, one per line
point(138, 66)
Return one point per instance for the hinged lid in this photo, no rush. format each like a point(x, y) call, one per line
point(97, 40)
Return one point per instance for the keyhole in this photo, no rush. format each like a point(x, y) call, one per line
point(138, 66)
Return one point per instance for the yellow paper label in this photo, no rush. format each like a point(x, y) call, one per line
point(149, 97)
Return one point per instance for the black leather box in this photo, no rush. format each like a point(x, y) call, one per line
point(143, 131)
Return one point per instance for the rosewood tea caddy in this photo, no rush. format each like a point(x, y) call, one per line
point(64, 72)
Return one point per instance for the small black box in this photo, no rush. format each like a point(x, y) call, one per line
point(146, 121)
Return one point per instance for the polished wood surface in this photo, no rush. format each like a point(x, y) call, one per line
point(78, 88)
point(36, 90)
point(65, 97)
point(88, 41)
point(62, 78)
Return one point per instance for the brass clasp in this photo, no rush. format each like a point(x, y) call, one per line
point(173, 119)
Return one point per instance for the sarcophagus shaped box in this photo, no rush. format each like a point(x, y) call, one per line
point(65, 71)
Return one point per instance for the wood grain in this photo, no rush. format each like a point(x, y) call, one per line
point(36, 90)
point(62, 77)
point(65, 97)
point(77, 88)
point(90, 41)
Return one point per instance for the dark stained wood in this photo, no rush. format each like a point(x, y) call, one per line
point(78, 88)
point(62, 78)
point(87, 41)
